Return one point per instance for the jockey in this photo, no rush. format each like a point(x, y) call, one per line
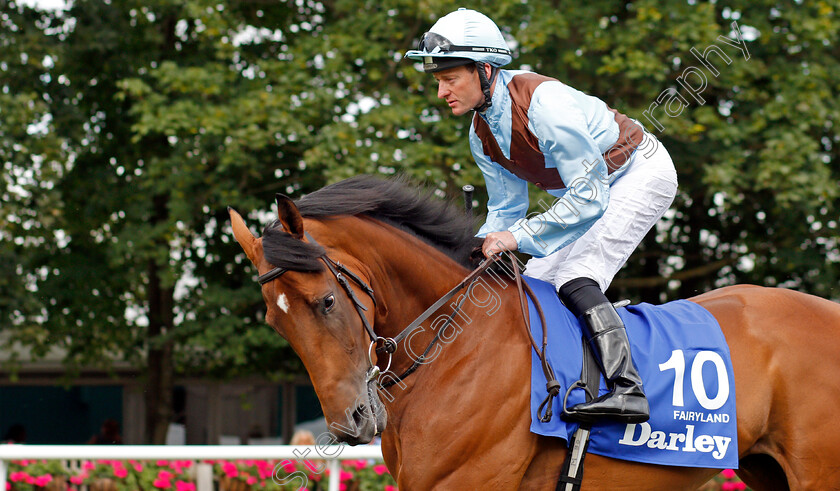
point(531, 128)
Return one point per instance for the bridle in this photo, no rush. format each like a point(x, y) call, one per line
point(341, 274)
point(389, 345)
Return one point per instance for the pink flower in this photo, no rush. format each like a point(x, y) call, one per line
point(77, 480)
point(43, 480)
point(120, 472)
point(230, 469)
point(289, 466)
point(137, 467)
point(165, 475)
point(251, 480)
point(344, 475)
point(358, 464)
point(18, 476)
point(727, 486)
point(342, 487)
point(88, 465)
point(389, 487)
point(162, 463)
point(727, 473)
point(380, 469)
point(184, 486)
point(8, 486)
point(740, 486)
point(162, 483)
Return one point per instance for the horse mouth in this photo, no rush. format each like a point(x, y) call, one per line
point(364, 421)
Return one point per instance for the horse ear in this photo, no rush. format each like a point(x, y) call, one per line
point(244, 236)
point(289, 216)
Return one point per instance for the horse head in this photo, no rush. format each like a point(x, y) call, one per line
point(327, 322)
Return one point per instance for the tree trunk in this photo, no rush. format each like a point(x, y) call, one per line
point(161, 368)
point(160, 382)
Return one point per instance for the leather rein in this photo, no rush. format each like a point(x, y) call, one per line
point(389, 345)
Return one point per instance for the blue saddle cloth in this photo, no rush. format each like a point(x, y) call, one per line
point(684, 362)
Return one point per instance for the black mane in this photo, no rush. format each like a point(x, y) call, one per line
point(396, 201)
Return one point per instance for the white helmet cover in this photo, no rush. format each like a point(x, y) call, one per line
point(463, 34)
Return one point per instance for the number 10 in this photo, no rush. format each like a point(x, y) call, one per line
point(677, 362)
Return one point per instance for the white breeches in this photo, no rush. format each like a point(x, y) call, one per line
point(638, 199)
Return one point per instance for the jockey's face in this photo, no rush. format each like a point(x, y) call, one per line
point(460, 88)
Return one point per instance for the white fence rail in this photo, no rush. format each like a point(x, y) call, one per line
point(331, 453)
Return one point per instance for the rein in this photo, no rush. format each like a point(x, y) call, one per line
point(389, 345)
point(544, 412)
point(468, 281)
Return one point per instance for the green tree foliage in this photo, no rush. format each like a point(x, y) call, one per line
point(127, 128)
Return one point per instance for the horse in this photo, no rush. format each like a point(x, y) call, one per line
point(355, 262)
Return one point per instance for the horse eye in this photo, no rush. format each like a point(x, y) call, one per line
point(329, 303)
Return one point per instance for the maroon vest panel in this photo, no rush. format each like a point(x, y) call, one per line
point(526, 160)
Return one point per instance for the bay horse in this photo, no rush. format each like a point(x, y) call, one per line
point(364, 257)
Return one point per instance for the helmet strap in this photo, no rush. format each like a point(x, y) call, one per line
point(485, 85)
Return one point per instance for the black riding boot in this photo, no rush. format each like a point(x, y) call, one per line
point(626, 401)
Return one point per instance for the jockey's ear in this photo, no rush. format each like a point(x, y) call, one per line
point(289, 216)
point(244, 237)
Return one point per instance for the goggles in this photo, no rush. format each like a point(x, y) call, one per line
point(433, 43)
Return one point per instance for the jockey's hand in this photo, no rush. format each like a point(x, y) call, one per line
point(496, 242)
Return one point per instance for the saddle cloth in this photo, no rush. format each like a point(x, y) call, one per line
point(684, 362)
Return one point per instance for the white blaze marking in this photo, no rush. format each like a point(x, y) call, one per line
point(283, 303)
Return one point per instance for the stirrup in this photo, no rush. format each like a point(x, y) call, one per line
point(566, 415)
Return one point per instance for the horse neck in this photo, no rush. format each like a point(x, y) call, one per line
point(409, 275)
point(406, 273)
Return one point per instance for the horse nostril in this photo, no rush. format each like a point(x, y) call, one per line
point(360, 414)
